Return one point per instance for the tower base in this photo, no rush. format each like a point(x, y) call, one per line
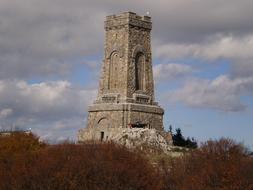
point(125, 115)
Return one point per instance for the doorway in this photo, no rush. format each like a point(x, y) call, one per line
point(102, 134)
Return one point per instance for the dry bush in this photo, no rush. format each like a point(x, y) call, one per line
point(70, 166)
point(16, 152)
point(219, 165)
point(27, 164)
point(91, 166)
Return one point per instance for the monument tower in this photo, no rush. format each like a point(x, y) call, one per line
point(126, 88)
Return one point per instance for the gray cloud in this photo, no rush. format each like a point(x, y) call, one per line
point(43, 104)
point(64, 129)
point(43, 98)
point(4, 113)
point(222, 93)
point(171, 71)
point(228, 47)
point(242, 68)
point(45, 37)
point(194, 21)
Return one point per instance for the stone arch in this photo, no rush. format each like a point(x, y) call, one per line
point(103, 122)
point(139, 63)
point(117, 49)
point(114, 70)
point(139, 58)
point(137, 49)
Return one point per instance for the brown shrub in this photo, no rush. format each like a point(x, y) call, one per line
point(221, 165)
point(15, 151)
point(91, 166)
point(25, 163)
point(71, 166)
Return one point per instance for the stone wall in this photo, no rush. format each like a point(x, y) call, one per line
point(127, 34)
point(121, 115)
point(126, 88)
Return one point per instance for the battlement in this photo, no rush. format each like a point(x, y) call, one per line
point(130, 15)
point(128, 19)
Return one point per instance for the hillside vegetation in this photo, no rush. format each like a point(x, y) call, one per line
point(26, 163)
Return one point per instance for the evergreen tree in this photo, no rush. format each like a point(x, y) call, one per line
point(179, 140)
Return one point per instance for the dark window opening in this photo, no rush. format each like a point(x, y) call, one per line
point(102, 136)
point(139, 125)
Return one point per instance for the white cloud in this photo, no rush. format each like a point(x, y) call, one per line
point(171, 71)
point(228, 47)
point(236, 50)
point(45, 105)
point(222, 93)
point(45, 97)
point(65, 129)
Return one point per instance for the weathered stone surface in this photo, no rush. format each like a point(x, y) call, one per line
point(120, 115)
point(126, 88)
point(131, 138)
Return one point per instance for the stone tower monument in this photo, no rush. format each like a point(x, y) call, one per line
point(126, 88)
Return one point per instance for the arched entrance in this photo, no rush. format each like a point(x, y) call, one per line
point(103, 123)
point(140, 71)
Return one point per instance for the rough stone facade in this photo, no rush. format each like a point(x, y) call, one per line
point(126, 88)
point(131, 138)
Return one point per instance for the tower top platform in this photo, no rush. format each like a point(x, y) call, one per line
point(128, 18)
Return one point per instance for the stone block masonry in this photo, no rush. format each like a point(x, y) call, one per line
point(126, 87)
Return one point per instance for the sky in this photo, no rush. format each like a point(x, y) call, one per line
point(202, 50)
